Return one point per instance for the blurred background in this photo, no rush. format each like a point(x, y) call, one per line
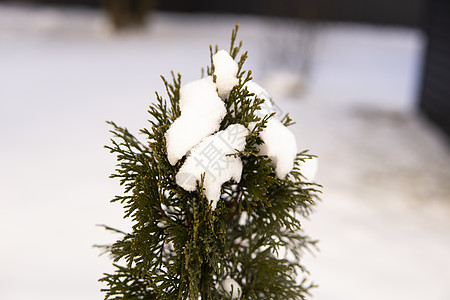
point(366, 81)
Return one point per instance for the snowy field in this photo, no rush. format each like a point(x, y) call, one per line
point(383, 222)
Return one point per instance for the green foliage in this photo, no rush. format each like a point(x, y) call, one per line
point(179, 248)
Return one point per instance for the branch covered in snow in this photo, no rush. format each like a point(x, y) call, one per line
point(212, 157)
point(201, 113)
point(279, 142)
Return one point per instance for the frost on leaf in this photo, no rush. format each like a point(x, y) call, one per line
point(201, 113)
point(226, 71)
point(212, 158)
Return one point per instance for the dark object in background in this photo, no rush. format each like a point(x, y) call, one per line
point(398, 12)
point(435, 98)
point(122, 13)
point(128, 13)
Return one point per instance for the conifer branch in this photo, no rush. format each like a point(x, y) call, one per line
point(179, 247)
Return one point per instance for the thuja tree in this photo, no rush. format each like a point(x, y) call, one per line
point(216, 194)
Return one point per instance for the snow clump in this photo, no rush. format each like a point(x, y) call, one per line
point(230, 288)
point(201, 113)
point(212, 158)
point(279, 145)
point(279, 142)
point(225, 69)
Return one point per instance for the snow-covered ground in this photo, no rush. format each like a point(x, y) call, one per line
point(383, 222)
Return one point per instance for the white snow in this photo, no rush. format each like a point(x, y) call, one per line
point(383, 222)
point(279, 142)
point(225, 70)
point(201, 113)
point(230, 288)
point(279, 145)
point(210, 158)
point(266, 108)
